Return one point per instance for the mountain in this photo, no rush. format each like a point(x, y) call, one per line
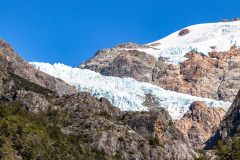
point(161, 100)
point(39, 123)
point(202, 62)
point(197, 63)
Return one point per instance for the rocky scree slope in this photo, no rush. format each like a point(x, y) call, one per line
point(35, 123)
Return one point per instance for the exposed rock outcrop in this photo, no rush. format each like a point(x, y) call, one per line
point(230, 126)
point(199, 123)
point(183, 32)
point(32, 101)
point(122, 63)
point(215, 76)
point(96, 123)
point(134, 135)
point(10, 60)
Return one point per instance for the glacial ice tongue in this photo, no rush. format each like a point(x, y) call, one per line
point(125, 93)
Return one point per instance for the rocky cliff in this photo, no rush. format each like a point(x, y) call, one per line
point(229, 127)
point(131, 135)
point(215, 76)
point(10, 60)
point(200, 123)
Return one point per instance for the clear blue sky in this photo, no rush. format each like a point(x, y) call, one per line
point(71, 31)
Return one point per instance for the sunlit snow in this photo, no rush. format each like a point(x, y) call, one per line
point(203, 38)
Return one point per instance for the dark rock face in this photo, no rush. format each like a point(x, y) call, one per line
point(199, 123)
point(230, 126)
point(236, 19)
point(10, 60)
point(216, 76)
point(135, 135)
point(183, 32)
point(122, 63)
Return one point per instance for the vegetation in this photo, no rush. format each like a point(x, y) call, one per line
point(26, 135)
point(22, 84)
point(153, 141)
point(37, 136)
point(230, 150)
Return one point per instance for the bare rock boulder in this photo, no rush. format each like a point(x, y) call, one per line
point(183, 32)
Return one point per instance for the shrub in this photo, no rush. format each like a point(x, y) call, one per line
point(117, 156)
point(2, 141)
point(38, 136)
point(153, 141)
point(229, 150)
point(121, 139)
point(19, 130)
point(4, 129)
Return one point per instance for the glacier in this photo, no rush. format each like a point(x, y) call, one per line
point(125, 93)
point(203, 38)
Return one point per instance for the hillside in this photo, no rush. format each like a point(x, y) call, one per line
point(198, 63)
point(39, 123)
